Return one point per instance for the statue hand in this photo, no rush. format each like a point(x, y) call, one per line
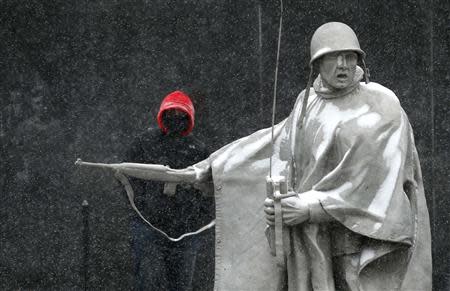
point(206, 187)
point(294, 211)
point(269, 211)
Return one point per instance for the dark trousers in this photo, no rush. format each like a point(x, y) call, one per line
point(160, 264)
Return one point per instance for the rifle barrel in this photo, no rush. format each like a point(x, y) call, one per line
point(79, 162)
point(148, 171)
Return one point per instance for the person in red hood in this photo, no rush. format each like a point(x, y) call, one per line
point(159, 263)
point(176, 114)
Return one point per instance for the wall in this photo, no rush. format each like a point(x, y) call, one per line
point(82, 78)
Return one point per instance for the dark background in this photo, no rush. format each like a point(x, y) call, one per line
point(82, 78)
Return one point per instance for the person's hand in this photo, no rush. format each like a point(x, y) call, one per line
point(294, 210)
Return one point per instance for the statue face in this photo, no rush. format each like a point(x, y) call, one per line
point(337, 69)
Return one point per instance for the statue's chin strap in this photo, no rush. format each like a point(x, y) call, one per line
point(130, 193)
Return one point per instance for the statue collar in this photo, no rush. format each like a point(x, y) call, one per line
point(327, 93)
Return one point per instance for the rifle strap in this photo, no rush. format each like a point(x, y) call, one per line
point(130, 193)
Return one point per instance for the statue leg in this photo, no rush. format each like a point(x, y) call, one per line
point(346, 272)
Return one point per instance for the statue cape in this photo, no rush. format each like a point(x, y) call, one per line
point(356, 155)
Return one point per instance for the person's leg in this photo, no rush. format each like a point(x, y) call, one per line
point(205, 262)
point(149, 255)
point(182, 260)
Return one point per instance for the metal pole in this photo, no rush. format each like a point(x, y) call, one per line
point(86, 241)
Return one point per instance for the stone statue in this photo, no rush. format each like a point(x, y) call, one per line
point(354, 216)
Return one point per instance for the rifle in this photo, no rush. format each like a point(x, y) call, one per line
point(278, 235)
point(154, 172)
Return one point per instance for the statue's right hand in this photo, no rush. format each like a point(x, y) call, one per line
point(269, 211)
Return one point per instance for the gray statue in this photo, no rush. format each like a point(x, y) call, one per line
point(346, 207)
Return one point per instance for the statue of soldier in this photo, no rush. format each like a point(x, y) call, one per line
point(354, 215)
point(357, 178)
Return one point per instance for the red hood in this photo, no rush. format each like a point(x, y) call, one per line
point(180, 101)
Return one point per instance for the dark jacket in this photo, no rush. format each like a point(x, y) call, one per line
point(188, 209)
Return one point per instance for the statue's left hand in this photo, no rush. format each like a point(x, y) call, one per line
point(294, 210)
point(206, 187)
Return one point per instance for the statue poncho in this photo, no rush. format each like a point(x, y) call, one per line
point(356, 155)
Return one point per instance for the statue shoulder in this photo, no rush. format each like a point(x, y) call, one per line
point(382, 100)
point(312, 92)
point(379, 91)
point(312, 96)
